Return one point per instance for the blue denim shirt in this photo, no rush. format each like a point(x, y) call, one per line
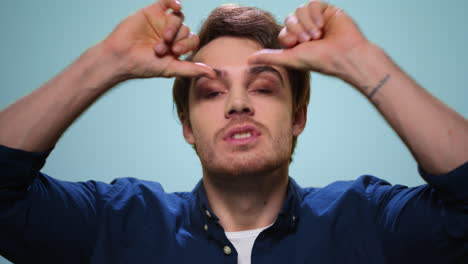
point(45, 220)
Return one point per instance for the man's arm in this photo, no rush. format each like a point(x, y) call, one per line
point(323, 38)
point(53, 221)
point(436, 135)
point(36, 121)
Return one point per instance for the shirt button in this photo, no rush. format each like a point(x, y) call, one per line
point(208, 213)
point(227, 250)
point(205, 227)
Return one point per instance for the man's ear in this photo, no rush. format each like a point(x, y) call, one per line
point(299, 121)
point(187, 130)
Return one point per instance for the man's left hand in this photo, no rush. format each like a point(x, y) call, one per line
point(318, 37)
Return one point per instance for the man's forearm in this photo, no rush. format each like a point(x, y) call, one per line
point(436, 135)
point(36, 121)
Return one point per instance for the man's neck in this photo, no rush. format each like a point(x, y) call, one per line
point(245, 202)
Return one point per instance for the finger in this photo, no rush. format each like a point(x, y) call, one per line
point(279, 57)
point(164, 5)
point(189, 69)
point(295, 28)
point(183, 33)
point(311, 31)
point(174, 22)
point(185, 45)
point(316, 10)
point(161, 48)
point(286, 38)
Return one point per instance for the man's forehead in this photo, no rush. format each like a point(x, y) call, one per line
point(226, 49)
point(249, 69)
point(228, 56)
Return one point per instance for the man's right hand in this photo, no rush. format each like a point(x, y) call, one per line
point(149, 43)
point(36, 121)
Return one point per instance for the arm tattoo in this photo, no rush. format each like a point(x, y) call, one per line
point(377, 102)
point(381, 83)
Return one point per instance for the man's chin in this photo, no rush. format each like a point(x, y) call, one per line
point(243, 165)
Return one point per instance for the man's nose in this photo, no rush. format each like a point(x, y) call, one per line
point(238, 103)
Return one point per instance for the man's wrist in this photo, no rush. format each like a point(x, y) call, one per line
point(102, 69)
point(366, 68)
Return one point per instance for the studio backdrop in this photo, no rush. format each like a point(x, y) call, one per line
point(133, 130)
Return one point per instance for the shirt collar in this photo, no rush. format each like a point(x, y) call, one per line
point(288, 216)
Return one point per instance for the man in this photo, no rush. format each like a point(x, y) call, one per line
point(242, 107)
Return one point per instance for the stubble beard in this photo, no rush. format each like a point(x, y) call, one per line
point(249, 162)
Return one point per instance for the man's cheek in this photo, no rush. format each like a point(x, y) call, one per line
point(203, 134)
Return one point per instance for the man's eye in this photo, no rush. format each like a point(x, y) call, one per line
point(212, 95)
point(263, 91)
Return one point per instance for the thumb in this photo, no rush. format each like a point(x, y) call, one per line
point(282, 57)
point(189, 69)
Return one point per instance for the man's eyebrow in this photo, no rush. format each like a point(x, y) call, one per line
point(255, 70)
point(265, 68)
point(219, 74)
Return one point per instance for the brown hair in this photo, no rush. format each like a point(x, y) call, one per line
point(243, 22)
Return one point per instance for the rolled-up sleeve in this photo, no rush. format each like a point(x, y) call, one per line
point(451, 187)
point(18, 168)
point(428, 223)
point(42, 217)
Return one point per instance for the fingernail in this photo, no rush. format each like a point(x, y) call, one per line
point(178, 6)
point(209, 73)
point(304, 37)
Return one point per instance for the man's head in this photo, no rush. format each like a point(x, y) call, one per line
point(266, 104)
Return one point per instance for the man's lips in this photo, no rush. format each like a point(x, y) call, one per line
point(241, 134)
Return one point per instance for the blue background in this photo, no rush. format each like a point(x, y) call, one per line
point(133, 130)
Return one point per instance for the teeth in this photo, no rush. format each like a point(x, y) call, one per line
point(242, 135)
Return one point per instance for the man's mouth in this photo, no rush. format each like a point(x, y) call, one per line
point(242, 135)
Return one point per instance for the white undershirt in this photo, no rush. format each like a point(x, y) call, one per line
point(243, 241)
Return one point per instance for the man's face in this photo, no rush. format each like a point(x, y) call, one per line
point(242, 121)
